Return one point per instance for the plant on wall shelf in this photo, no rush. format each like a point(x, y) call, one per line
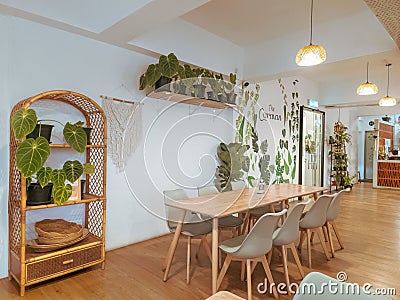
point(233, 164)
point(32, 154)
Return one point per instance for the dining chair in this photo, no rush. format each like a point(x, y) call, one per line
point(313, 221)
point(284, 238)
point(331, 216)
point(252, 247)
point(193, 227)
point(228, 222)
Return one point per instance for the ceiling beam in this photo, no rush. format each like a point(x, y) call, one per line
point(138, 23)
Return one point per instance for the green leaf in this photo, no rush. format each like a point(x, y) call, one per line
point(289, 159)
point(73, 170)
point(88, 168)
point(286, 167)
point(31, 155)
point(153, 73)
point(284, 132)
point(61, 193)
point(58, 177)
point(294, 172)
point(142, 82)
point(75, 137)
point(44, 176)
point(241, 128)
point(169, 65)
point(23, 122)
point(28, 181)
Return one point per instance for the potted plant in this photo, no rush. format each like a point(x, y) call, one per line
point(32, 154)
point(229, 87)
point(161, 74)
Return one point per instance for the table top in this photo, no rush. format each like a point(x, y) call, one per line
point(227, 203)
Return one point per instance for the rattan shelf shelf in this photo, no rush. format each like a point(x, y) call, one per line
point(86, 199)
point(28, 267)
point(169, 96)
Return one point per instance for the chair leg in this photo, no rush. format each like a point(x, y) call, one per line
point(285, 267)
point(269, 276)
point(206, 246)
point(246, 221)
point(302, 236)
point(253, 266)
point(248, 265)
point(225, 267)
point(269, 255)
point(330, 238)
point(325, 230)
point(337, 234)
point(297, 259)
point(188, 260)
point(321, 238)
point(242, 270)
point(198, 249)
point(312, 237)
point(308, 232)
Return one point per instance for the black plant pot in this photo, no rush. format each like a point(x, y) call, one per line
point(36, 195)
point(43, 130)
point(211, 95)
point(395, 151)
point(163, 84)
point(87, 130)
point(83, 187)
point(199, 90)
point(221, 97)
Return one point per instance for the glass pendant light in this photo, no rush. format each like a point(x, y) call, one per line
point(387, 100)
point(311, 55)
point(367, 88)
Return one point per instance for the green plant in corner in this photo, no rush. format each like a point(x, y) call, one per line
point(32, 154)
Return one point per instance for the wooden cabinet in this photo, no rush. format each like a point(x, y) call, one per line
point(28, 267)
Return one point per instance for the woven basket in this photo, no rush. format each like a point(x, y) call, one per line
point(57, 231)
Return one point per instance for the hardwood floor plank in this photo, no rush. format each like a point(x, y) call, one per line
point(369, 224)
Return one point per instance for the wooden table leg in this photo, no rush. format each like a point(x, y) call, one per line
point(315, 196)
point(214, 263)
point(172, 247)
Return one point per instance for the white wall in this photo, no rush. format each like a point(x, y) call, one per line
point(43, 58)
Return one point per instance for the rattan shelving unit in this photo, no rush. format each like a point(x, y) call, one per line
point(28, 267)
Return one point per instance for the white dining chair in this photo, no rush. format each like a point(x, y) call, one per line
point(285, 236)
point(252, 247)
point(331, 216)
point(313, 221)
point(193, 227)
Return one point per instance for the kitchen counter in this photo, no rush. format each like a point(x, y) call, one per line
point(387, 174)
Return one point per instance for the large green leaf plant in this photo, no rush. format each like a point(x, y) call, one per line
point(32, 154)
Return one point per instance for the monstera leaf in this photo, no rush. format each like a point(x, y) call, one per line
point(73, 170)
point(23, 122)
point(31, 155)
point(61, 193)
point(88, 168)
point(44, 176)
point(75, 136)
point(169, 65)
point(58, 177)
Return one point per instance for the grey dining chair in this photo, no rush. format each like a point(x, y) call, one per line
point(252, 247)
point(313, 221)
point(193, 226)
point(285, 236)
point(331, 216)
point(228, 222)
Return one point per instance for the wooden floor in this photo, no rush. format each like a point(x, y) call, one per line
point(369, 223)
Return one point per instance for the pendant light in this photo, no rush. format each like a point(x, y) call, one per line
point(387, 100)
point(367, 88)
point(311, 55)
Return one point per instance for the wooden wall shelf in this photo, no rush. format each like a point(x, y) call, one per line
point(169, 96)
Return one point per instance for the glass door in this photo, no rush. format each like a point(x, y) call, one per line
point(312, 135)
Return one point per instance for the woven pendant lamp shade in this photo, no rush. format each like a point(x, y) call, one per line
point(311, 55)
point(367, 88)
point(387, 101)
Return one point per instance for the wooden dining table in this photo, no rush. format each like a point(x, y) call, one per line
point(223, 204)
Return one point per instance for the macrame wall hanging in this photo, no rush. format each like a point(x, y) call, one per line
point(124, 127)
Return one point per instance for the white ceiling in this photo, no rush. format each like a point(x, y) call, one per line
point(256, 38)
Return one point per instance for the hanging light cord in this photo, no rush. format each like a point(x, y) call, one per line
point(387, 88)
point(367, 71)
point(311, 22)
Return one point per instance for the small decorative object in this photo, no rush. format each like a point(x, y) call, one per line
point(261, 187)
point(386, 118)
point(56, 231)
point(371, 123)
point(381, 155)
point(76, 190)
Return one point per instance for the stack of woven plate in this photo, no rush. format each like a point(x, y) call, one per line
point(56, 233)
